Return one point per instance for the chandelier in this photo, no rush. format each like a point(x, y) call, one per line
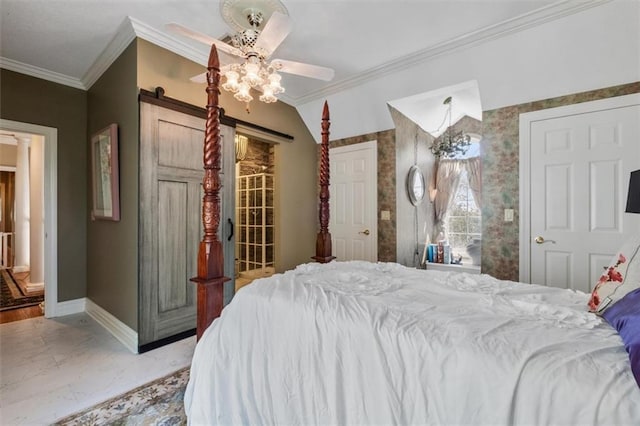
point(450, 144)
point(255, 72)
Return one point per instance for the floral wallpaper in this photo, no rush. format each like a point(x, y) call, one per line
point(499, 150)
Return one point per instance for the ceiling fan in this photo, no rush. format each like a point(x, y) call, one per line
point(246, 59)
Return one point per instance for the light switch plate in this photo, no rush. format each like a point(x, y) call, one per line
point(508, 215)
point(385, 215)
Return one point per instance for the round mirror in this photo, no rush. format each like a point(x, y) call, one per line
point(415, 185)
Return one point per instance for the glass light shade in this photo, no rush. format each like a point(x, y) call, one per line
point(274, 83)
point(232, 84)
point(252, 74)
point(267, 95)
point(243, 94)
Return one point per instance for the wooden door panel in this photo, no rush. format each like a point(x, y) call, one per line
point(605, 177)
point(173, 286)
point(353, 217)
point(171, 173)
point(558, 214)
point(177, 143)
point(580, 165)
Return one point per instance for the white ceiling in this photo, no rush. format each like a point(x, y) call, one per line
point(64, 39)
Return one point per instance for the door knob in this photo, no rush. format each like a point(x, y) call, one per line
point(365, 232)
point(540, 240)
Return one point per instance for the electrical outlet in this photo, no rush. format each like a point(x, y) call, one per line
point(508, 215)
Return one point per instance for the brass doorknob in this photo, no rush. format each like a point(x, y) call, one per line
point(540, 240)
point(365, 232)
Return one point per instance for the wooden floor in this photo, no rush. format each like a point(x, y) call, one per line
point(20, 314)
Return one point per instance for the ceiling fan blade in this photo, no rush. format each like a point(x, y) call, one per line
point(305, 70)
point(203, 38)
point(275, 31)
point(202, 78)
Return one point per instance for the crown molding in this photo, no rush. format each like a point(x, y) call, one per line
point(474, 38)
point(131, 28)
point(124, 36)
point(41, 73)
point(160, 39)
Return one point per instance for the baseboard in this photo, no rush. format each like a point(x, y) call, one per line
point(70, 307)
point(20, 268)
point(117, 328)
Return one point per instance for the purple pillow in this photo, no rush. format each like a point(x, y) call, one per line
point(624, 316)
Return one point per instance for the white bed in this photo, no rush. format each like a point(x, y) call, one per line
point(355, 343)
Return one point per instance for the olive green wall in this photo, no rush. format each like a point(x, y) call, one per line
point(32, 100)
point(295, 162)
point(112, 263)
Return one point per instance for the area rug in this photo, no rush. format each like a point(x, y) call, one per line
point(11, 296)
point(157, 403)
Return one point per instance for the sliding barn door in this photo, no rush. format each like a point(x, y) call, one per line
point(171, 172)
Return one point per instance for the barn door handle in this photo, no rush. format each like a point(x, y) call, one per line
point(231, 229)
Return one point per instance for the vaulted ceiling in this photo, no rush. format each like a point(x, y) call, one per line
point(65, 40)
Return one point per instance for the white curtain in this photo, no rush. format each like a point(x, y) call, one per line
point(447, 180)
point(474, 173)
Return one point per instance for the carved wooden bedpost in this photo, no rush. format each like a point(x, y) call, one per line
point(323, 241)
point(211, 279)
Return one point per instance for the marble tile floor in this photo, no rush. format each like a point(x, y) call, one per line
point(50, 368)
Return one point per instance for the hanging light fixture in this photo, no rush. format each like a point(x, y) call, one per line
point(255, 72)
point(241, 143)
point(450, 143)
point(251, 47)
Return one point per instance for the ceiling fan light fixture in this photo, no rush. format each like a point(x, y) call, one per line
point(274, 83)
point(252, 74)
point(243, 94)
point(233, 81)
point(267, 95)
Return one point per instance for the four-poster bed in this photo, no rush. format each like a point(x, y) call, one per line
point(380, 343)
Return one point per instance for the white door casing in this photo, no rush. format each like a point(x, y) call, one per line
point(50, 134)
point(354, 201)
point(574, 168)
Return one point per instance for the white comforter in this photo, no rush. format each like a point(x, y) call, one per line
point(356, 343)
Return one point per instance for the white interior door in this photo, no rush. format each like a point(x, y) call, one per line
point(580, 158)
point(354, 202)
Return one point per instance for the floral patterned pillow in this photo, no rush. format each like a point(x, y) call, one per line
point(622, 276)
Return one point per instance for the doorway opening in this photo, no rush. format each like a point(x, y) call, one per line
point(255, 209)
point(36, 254)
point(21, 225)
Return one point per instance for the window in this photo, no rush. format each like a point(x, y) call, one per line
point(463, 221)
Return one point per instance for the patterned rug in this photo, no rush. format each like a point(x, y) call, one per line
point(12, 296)
point(157, 403)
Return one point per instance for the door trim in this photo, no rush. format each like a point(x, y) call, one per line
point(50, 176)
point(372, 148)
point(526, 120)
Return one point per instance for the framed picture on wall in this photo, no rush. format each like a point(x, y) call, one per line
point(104, 174)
